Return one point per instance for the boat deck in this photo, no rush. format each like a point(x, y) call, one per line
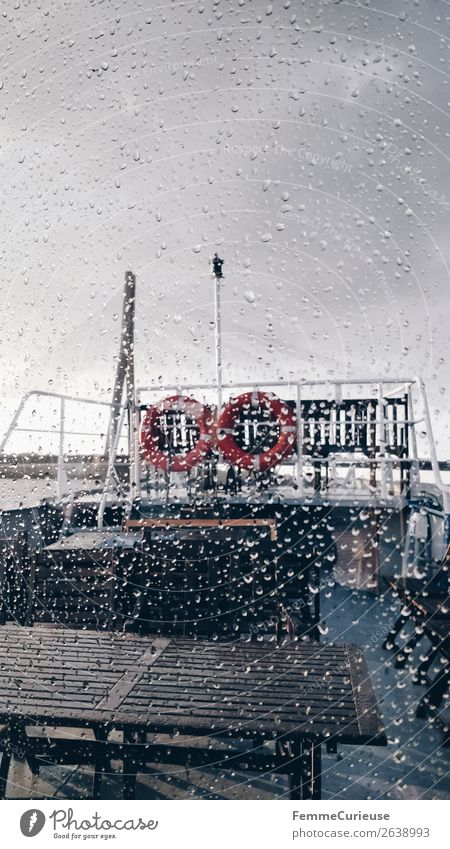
point(413, 765)
point(268, 708)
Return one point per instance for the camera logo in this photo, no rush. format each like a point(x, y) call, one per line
point(32, 822)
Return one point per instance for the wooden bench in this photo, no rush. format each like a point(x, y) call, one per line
point(191, 577)
point(264, 707)
point(13, 577)
point(85, 580)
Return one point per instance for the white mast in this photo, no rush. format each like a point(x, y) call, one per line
point(124, 384)
point(217, 269)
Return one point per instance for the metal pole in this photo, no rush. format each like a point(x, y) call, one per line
point(298, 413)
point(218, 328)
point(136, 419)
point(128, 344)
point(217, 264)
point(110, 470)
point(445, 491)
point(414, 479)
point(14, 421)
point(62, 482)
point(382, 440)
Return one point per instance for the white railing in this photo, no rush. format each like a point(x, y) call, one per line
point(378, 388)
point(59, 433)
point(379, 472)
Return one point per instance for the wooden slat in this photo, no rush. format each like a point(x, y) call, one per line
point(366, 708)
point(440, 628)
point(432, 607)
point(131, 677)
point(204, 523)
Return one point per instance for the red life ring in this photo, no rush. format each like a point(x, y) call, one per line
point(284, 445)
point(150, 436)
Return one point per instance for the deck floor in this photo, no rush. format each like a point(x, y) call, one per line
point(415, 765)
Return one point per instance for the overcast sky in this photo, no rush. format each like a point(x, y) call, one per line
point(307, 142)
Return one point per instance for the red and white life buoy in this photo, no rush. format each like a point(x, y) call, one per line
point(227, 421)
point(150, 434)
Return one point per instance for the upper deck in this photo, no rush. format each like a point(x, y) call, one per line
point(352, 443)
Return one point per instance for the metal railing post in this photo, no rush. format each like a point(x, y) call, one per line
point(414, 472)
point(135, 424)
point(298, 412)
point(62, 484)
point(382, 440)
point(107, 490)
point(14, 421)
point(445, 492)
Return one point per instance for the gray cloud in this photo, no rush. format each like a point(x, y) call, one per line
point(309, 144)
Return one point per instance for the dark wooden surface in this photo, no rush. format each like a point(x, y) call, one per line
point(420, 604)
point(431, 607)
point(174, 684)
point(440, 627)
point(427, 607)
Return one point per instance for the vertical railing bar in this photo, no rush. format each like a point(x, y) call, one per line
point(298, 410)
point(109, 472)
point(13, 423)
point(432, 445)
point(61, 480)
point(382, 440)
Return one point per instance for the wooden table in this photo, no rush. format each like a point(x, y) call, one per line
point(253, 705)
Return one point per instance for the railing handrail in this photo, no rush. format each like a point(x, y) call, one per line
point(62, 396)
point(43, 394)
point(402, 381)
